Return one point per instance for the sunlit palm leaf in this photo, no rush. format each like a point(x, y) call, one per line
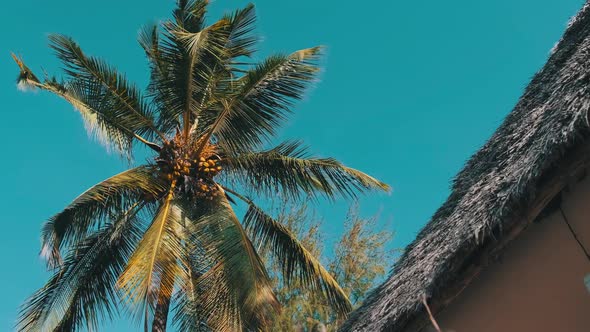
point(83, 290)
point(190, 312)
point(287, 169)
point(157, 261)
point(189, 315)
point(95, 207)
point(26, 78)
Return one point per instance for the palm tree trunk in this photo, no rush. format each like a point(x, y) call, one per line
point(161, 314)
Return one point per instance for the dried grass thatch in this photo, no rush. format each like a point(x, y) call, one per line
point(518, 169)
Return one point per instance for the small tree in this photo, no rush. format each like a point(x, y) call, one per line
point(360, 259)
point(298, 304)
point(360, 256)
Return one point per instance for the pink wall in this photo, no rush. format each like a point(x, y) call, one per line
point(538, 284)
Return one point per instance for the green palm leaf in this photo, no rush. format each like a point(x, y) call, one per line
point(195, 61)
point(83, 290)
point(190, 14)
point(96, 206)
point(149, 40)
point(105, 89)
point(188, 59)
point(105, 126)
point(287, 169)
point(235, 291)
point(298, 264)
point(262, 101)
point(240, 39)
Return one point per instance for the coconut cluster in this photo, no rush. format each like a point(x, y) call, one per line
point(206, 169)
point(189, 171)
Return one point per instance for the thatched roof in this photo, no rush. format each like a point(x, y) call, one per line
point(511, 179)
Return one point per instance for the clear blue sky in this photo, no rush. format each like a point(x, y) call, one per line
point(410, 90)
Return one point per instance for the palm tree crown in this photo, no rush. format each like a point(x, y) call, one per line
point(164, 235)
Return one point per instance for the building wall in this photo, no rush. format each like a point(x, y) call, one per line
point(538, 284)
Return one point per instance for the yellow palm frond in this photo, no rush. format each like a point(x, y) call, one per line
point(157, 262)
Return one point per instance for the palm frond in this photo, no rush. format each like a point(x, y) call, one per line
point(157, 262)
point(105, 89)
point(105, 126)
point(190, 315)
point(263, 100)
point(196, 61)
point(26, 78)
point(298, 264)
point(188, 58)
point(288, 169)
point(83, 291)
point(240, 39)
point(149, 40)
point(235, 291)
point(190, 14)
point(95, 207)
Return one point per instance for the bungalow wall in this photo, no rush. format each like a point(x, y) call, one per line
point(538, 284)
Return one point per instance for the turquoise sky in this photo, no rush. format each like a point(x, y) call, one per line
point(410, 90)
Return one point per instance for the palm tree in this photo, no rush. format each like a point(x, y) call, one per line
point(163, 235)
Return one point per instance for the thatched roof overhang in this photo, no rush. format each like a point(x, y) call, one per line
point(540, 147)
